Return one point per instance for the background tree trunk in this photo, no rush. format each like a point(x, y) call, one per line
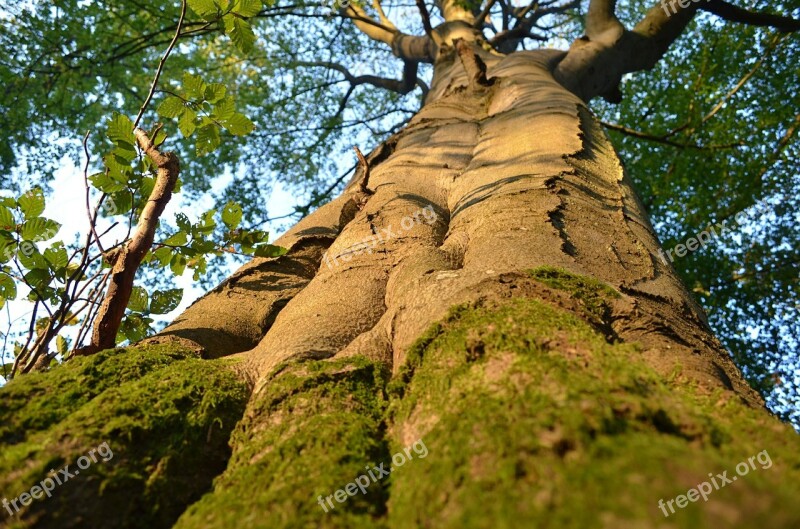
point(498, 300)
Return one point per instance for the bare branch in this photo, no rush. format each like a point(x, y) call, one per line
point(507, 40)
point(732, 13)
point(403, 86)
point(408, 47)
point(665, 141)
point(479, 21)
point(161, 65)
point(426, 17)
point(363, 185)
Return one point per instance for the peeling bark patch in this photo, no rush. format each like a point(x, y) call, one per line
point(557, 220)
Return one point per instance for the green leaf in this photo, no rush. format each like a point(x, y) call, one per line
point(29, 256)
point(163, 255)
point(105, 183)
point(8, 287)
point(240, 32)
point(177, 264)
point(158, 140)
point(194, 86)
point(39, 229)
point(247, 8)
point(207, 9)
point(206, 224)
point(62, 346)
point(239, 124)
point(177, 239)
point(120, 131)
point(186, 122)
point(215, 92)
point(207, 140)
point(32, 203)
point(7, 221)
point(224, 109)
point(164, 301)
point(119, 168)
point(56, 256)
point(269, 250)
point(146, 186)
point(8, 246)
point(183, 222)
point(232, 215)
point(38, 279)
point(135, 327)
point(138, 301)
point(120, 204)
point(199, 268)
point(171, 107)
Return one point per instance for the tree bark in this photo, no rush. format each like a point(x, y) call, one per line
point(498, 298)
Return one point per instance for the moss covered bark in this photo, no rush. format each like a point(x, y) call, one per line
point(165, 415)
point(533, 419)
point(531, 414)
point(310, 431)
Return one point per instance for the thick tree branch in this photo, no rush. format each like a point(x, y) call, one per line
point(596, 62)
point(382, 16)
point(403, 86)
point(732, 13)
point(601, 17)
point(453, 10)
point(407, 47)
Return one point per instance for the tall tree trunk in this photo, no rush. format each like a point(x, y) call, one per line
point(494, 305)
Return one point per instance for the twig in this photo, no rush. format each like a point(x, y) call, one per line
point(161, 65)
point(92, 218)
point(365, 166)
point(666, 141)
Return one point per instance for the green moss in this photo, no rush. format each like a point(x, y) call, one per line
point(529, 416)
point(310, 431)
point(165, 415)
point(593, 294)
point(532, 419)
point(37, 401)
